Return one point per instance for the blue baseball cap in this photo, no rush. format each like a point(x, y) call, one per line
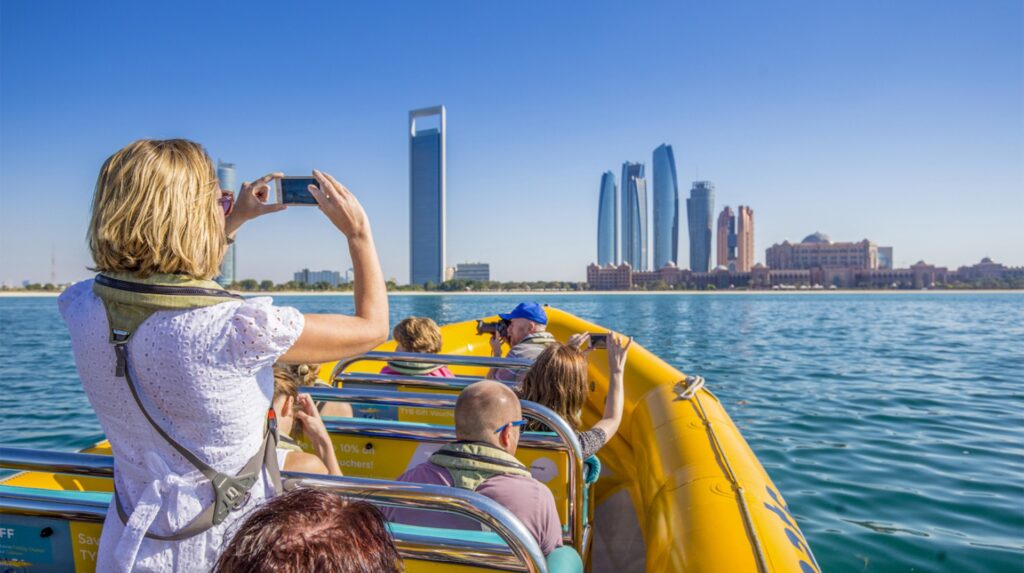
point(528, 310)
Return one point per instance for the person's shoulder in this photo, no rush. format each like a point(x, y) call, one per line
point(427, 473)
point(304, 463)
point(260, 314)
point(74, 294)
point(519, 487)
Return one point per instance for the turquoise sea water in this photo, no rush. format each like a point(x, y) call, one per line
point(893, 424)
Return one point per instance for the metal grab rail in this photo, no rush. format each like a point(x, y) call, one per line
point(434, 433)
point(477, 507)
point(531, 410)
point(94, 465)
point(457, 383)
point(444, 359)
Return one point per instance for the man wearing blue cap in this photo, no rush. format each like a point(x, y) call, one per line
point(526, 337)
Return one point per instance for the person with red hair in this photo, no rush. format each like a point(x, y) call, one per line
point(312, 530)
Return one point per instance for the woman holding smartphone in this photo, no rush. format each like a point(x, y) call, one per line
point(178, 370)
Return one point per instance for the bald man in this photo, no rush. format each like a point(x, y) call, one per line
point(488, 419)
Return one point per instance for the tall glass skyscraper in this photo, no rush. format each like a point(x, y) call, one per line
point(699, 213)
point(666, 208)
point(634, 215)
point(608, 221)
point(226, 177)
point(426, 198)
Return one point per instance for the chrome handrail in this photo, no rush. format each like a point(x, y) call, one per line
point(435, 382)
point(445, 359)
point(466, 503)
point(431, 432)
point(94, 465)
point(475, 506)
point(531, 410)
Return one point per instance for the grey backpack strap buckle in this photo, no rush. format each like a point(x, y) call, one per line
point(120, 340)
point(231, 494)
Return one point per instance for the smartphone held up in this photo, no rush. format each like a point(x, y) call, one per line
point(599, 340)
point(292, 190)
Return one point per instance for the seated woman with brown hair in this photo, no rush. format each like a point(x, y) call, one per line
point(312, 530)
point(558, 380)
point(309, 375)
point(420, 335)
point(291, 407)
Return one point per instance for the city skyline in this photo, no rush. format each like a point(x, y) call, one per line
point(825, 126)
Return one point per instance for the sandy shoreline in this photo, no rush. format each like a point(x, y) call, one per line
point(541, 294)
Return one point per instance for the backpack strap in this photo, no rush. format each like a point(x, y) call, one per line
point(231, 492)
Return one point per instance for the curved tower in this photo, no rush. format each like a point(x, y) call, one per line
point(608, 221)
point(634, 216)
point(666, 208)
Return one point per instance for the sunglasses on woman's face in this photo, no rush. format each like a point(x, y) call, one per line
point(516, 424)
point(227, 201)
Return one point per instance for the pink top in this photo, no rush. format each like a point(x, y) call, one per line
point(442, 372)
point(528, 499)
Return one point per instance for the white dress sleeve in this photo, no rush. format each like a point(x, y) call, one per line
point(262, 332)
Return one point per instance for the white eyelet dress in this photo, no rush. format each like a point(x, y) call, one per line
point(206, 377)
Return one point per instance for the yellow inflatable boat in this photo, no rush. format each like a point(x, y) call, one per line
point(676, 489)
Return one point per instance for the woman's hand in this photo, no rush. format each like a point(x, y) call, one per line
point(617, 352)
point(313, 427)
point(340, 206)
point(252, 202)
point(578, 340)
point(312, 424)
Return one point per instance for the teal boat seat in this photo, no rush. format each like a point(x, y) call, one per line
point(564, 560)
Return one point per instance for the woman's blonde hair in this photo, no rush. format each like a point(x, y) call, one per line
point(156, 210)
point(558, 380)
point(288, 378)
point(418, 334)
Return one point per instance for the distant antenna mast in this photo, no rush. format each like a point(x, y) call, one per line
point(53, 264)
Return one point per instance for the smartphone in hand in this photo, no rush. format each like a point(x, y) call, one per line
point(599, 340)
point(295, 190)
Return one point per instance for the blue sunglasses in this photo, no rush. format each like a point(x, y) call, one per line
point(515, 424)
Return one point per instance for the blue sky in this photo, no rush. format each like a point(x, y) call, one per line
point(901, 122)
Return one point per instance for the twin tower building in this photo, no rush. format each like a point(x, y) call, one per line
point(623, 221)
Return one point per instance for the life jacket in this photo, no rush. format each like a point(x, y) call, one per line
point(542, 338)
point(473, 463)
point(413, 368)
point(129, 301)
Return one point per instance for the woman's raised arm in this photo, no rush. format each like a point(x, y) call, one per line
point(616, 368)
point(328, 337)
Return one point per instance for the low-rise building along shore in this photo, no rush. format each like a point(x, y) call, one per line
point(918, 276)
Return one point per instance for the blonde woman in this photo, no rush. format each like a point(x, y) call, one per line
point(558, 380)
point(178, 370)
